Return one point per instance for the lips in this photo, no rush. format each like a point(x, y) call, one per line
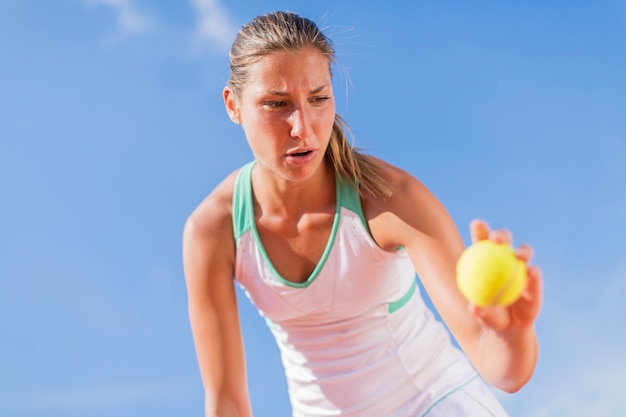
point(300, 155)
point(300, 152)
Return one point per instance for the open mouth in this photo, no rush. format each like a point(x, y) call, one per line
point(300, 154)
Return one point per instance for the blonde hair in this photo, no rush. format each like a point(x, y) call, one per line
point(289, 31)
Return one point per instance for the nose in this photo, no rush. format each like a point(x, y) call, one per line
point(300, 123)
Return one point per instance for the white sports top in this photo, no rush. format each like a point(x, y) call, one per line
point(356, 338)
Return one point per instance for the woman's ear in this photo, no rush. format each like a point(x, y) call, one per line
point(232, 108)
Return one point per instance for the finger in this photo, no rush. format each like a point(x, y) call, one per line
point(524, 252)
point(479, 230)
point(501, 236)
point(529, 305)
point(534, 284)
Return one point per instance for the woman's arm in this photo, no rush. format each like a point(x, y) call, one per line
point(513, 326)
point(500, 342)
point(208, 259)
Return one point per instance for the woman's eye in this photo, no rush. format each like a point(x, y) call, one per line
point(275, 104)
point(321, 99)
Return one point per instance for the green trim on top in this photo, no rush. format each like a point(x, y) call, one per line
point(398, 304)
point(243, 221)
point(242, 210)
point(322, 261)
point(351, 199)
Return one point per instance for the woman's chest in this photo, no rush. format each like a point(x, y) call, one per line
point(352, 276)
point(295, 247)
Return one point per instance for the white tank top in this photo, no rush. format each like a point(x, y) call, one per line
point(356, 338)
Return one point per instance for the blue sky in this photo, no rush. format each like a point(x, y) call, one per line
point(112, 130)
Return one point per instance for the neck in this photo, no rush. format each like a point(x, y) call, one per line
point(294, 198)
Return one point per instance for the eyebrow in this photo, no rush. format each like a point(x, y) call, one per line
point(283, 93)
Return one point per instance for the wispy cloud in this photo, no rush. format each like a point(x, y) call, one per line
point(215, 30)
point(130, 21)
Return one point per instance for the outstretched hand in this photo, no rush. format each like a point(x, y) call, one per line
point(523, 313)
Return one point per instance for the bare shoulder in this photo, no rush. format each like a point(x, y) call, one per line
point(214, 209)
point(412, 212)
point(407, 192)
point(208, 232)
point(397, 178)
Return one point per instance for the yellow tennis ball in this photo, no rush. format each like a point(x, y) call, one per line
point(489, 274)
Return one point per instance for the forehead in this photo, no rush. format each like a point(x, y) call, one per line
point(284, 70)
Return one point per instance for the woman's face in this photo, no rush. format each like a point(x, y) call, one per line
point(287, 110)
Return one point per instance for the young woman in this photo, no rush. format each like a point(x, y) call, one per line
point(327, 242)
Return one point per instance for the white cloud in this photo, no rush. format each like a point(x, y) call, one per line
point(130, 21)
point(214, 29)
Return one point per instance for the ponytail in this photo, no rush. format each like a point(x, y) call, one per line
point(359, 169)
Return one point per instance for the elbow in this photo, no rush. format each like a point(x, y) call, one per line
point(512, 385)
point(511, 388)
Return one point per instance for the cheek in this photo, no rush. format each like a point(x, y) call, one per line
point(255, 124)
point(327, 122)
point(262, 133)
